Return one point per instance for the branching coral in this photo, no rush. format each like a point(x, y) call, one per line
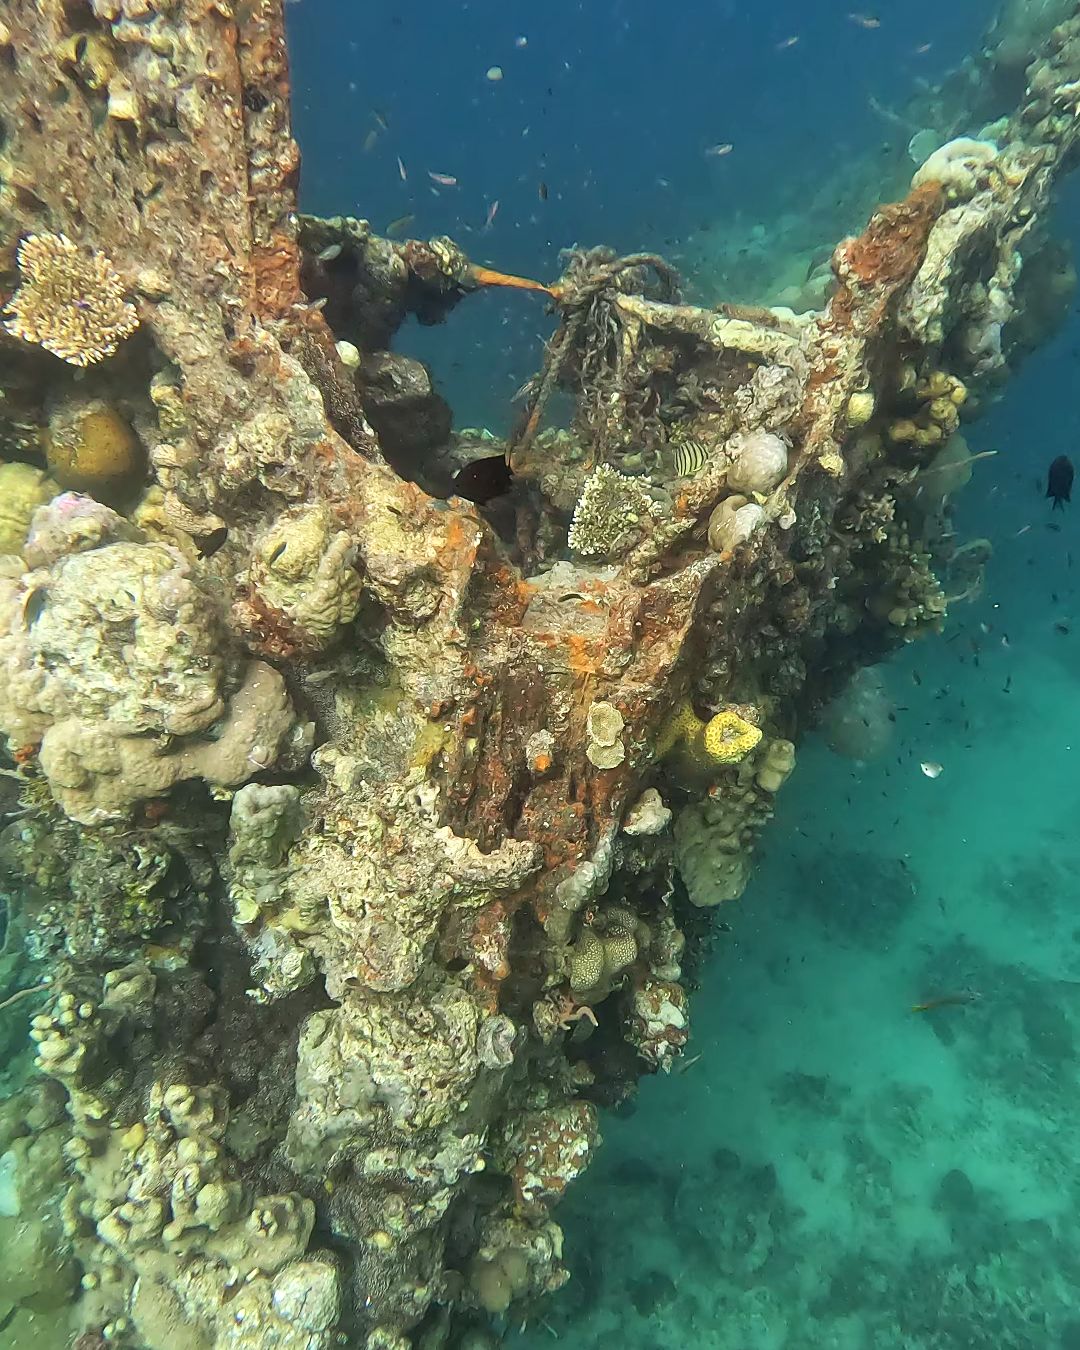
point(611, 516)
point(70, 301)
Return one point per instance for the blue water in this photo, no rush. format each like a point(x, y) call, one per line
point(613, 106)
point(828, 1168)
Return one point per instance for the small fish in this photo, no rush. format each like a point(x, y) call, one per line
point(402, 172)
point(34, 604)
point(369, 141)
point(865, 20)
point(787, 43)
point(719, 151)
point(542, 190)
point(484, 479)
point(492, 212)
point(208, 544)
point(443, 179)
point(957, 999)
point(399, 226)
point(688, 457)
point(932, 768)
point(1059, 480)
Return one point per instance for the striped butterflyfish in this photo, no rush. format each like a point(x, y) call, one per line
point(687, 455)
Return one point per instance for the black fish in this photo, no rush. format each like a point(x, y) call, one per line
point(208, 544)
point(1059, 480)
point(484, 479)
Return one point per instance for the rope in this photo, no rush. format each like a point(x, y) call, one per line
point(585, 283)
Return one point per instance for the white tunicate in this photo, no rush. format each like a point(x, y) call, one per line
point(758, 461)
point(733, 522)
point(960, 166)
point(348, 354)
point(747, 519)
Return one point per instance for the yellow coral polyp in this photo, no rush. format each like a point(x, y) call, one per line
point(729, 738)
point(682, 724)
point(904, 429)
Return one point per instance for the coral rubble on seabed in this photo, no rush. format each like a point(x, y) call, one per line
point(338, 816)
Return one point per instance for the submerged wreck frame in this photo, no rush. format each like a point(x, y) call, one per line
point(363, 839)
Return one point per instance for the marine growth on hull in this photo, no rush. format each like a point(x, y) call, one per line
point(371, 786)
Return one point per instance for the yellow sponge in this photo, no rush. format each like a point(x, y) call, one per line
point(729, 738)
point(683, 724)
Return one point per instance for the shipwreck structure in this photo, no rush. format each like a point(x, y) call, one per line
point(357, 838)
